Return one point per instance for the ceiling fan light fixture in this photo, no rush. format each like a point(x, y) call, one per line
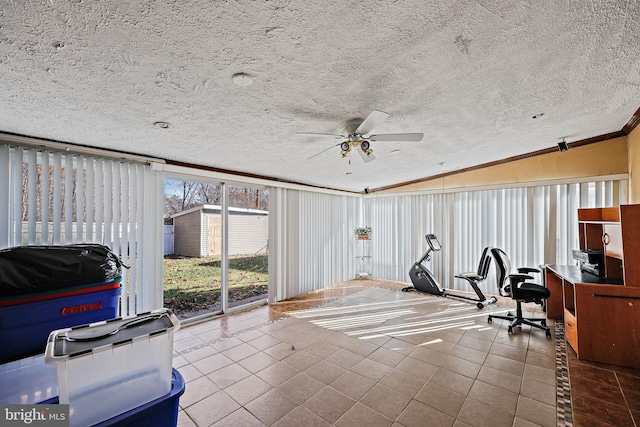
point(345, 146)
point(365, 145)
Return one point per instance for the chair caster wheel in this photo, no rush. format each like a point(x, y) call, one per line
point(510, 330)
point(543, 323)
point(489, 320)
point(480, 305)
point(548, 334)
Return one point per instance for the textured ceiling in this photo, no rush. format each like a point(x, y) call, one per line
point(470, 75)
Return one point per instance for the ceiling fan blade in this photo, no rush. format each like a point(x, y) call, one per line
point(397, 137)
point(373, 120)
point(320, 134)
point(327, 149)
point(366, 158)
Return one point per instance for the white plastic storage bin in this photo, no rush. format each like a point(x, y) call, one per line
point(107, 368)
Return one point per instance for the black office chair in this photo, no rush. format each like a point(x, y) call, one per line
point(475, 278)
point(514, 286)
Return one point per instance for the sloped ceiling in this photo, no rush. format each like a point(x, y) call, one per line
point(470, 75)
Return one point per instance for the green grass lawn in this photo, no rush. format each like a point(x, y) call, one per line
point(192, 284)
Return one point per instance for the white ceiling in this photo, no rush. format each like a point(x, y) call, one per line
point(469, 74)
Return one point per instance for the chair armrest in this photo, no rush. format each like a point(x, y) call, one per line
point(517, 278)
point(527, 270)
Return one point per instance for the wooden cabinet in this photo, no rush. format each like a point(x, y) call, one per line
point(614, 231)
point(602, 314)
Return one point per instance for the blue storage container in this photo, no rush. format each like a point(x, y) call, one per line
point(162, 412)
point(25, 326)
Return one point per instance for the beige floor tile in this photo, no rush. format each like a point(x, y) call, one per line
point(387, 357)
point(184, 420)
point(257, 362)
point(239, 352)
point(189, 373)
point(509, 352)
point(199, 353)
point(371, 369)
point(537, 412)
point(361, 348)
point(541, 359)
point(187, 343)
point(501, 379)
point(280, 351)
point(212, 409)
point(329, 404)
point(325, 372)
point(542, 392)
point(402, 382)
point(388, 402)
point(475, 343)
point(197, 390)
point(399, 346)
point(505, 365)
point(416, 414)
point(301, 360)
point(440, 398)
point(344, 358)
point(212, 363)
point(251, 335)
point(493, 396)
point(418, 368)
point(353, 385)
point(301, 416)
point(428, 355)
point(478, 414)
point(264, 342)
point(301, 387)
point(271, 406)
point(453, 381)
point(226, 343)
point(543, 375)
point(322, 349)
point(228, 375)
point(277, 373)
point(361, 415)
point(468, 353)
point(461, 366)
point(248, 389)
point(240, 417)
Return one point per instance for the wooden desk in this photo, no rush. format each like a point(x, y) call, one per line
point(602, 318)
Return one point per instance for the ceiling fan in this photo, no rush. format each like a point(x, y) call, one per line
point(355, 136)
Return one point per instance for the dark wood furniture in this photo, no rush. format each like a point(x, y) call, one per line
point(602, 314)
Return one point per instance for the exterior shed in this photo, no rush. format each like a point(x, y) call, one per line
point(198, 231)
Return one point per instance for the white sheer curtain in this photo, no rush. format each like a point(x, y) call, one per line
point(533, 225)
point(58, 198)
point(311, 241)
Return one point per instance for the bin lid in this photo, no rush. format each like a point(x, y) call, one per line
point(79, 340)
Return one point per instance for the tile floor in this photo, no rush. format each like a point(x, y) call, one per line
point(604, 395)
point(372, 355)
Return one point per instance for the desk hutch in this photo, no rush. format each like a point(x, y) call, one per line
point(601, 313)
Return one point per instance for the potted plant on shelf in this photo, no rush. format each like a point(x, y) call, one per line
point(363, 233)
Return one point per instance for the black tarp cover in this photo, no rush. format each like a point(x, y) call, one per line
point(34, 269)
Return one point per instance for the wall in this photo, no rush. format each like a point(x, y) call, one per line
point(598, 159)
point(634, 166)
point(187, 231)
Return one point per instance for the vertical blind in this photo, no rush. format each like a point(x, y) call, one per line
point(58, 198)
point(311, 241)
point(533, 225)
